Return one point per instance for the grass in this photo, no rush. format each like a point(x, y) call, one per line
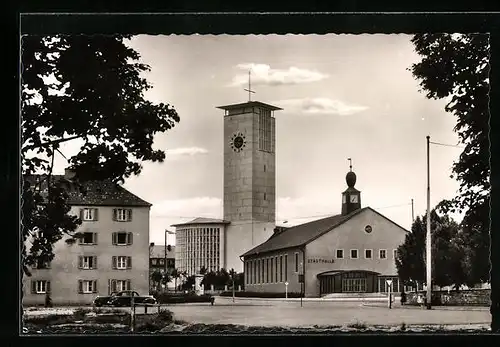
point(357, 325)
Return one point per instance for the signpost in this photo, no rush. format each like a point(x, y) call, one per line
point(286, 290)
point(389, 285)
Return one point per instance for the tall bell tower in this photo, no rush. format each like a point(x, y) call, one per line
point(249, 177)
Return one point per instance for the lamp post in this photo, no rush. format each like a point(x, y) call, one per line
point(428, 244)
point(166, 233)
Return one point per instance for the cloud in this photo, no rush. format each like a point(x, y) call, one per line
point(263, 74)
point(186, 151)
point(320, 106)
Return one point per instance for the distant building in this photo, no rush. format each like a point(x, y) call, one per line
point(200, 243)
point(157, 258)
point(112, 255)
point(353, 252)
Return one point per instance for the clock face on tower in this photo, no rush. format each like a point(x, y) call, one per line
point(354, 199)
point(237, 142)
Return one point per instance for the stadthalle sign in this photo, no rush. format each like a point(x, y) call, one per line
point(320, 260)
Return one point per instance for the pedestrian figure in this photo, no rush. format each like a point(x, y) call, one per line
point(420, 300)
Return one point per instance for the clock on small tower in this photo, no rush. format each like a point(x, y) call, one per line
point(351, 200)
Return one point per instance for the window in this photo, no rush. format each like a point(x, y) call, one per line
point(258, 271)
point(119, 285)
point(354, 254)
point(286, 267)
point(281, 268)
point(265, 130)
point(368, 253)
point(122, 262)
point(382, 254)
point(87, 262)
point(122, 215)
point(262, 273)
point(395, 254)
point(272, 270)
point(264, 196)
point(40, 287)
point(264, 167)
point(267, 270)
point(88, 214)
point(296, 262)
point(87, 286)
point(162, 261)
point(340, 253)
point(153, 261)
point(276, 270)
point(122, 238)
point(88, 239)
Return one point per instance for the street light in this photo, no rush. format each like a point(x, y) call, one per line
point(166, 233)
point(428, 244)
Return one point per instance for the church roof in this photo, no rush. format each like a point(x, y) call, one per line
point(96, 193)
point(302, 234)
point(203, 220)
point(249, 104)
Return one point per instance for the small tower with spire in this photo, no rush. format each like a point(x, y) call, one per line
point(351, 197)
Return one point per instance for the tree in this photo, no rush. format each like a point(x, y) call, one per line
point(456, 67)
point(410, 261)
point(446, 252)
point(156, 277)
point(203, 270)
point(88, 88)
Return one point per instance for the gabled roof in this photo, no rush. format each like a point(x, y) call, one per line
point(302, 234)
point(203, 220)
point(158, 251)
point(97, 193)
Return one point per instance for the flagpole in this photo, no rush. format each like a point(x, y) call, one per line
point(428, 244)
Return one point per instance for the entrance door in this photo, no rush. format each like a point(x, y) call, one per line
point(354, 282)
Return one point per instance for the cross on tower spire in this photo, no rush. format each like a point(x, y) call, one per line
point(249, 90)
point(350, 164)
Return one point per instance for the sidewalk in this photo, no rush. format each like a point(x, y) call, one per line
point(441, 308)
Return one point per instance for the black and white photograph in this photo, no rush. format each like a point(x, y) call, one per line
point(255, 184)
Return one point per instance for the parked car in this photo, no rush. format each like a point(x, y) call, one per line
point(124, 298)
point(103, 300)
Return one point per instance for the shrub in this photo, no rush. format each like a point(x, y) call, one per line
point(261, 295)
point(80, 313)
point(153, 322)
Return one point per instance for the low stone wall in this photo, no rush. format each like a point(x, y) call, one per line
point(471, 297)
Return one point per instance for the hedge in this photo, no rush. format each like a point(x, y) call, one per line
point(261, 294)
point(472, 297)
point(181, 298)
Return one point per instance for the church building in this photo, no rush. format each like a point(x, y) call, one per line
point(249, 194)
point(352, 252)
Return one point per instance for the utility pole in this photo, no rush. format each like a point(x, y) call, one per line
point(428, 244)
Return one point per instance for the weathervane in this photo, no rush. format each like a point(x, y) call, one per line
point(249, 90)
point(350, 164)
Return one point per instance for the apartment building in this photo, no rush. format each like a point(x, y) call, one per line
point(111, 255)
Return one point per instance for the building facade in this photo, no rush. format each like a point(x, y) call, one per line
point(200, 243)
point(353, 252)
point(249, 177)
point(159, 262)
point(111, 255)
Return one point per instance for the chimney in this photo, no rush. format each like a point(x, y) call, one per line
point(69, 173)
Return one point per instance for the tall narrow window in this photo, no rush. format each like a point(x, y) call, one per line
point(267, 270)
point(296, 262)
point(286, 267)
point(276, 270)
point(281, 268)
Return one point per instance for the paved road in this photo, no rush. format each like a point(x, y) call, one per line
point(267, 313)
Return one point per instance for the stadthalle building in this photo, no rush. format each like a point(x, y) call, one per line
point(352, 252)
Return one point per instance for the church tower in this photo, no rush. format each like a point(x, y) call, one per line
point(351, 197)
point(249, 178)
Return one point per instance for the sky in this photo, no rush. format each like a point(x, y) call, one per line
point(343, 96)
